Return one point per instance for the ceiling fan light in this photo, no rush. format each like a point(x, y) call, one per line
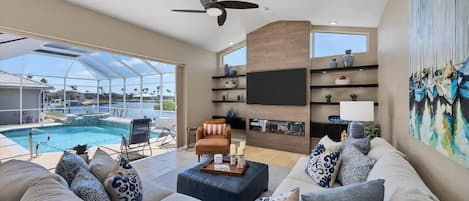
point(214, 11)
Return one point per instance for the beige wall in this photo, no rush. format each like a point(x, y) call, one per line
point(58, 20)
point(446, 178)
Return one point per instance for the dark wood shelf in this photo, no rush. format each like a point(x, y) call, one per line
point(344, 86)
point(227, 101)
point(236, 122)
point(354, 68)
point(225, 77)
point(329, 122)
point(227, 89)
point(331, 103)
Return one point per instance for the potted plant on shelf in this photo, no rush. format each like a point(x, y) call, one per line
point(328, 98)
point(354, 97)
point(82, 151)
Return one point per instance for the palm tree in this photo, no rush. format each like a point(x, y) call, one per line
point(43, 80)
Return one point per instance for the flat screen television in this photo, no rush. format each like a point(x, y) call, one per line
point(283, 87)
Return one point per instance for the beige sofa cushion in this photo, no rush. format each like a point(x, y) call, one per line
point(49, 189)
point(101, 165)
point(399, 176)
point(298, 171)
point(17, 176)
point(288, 184)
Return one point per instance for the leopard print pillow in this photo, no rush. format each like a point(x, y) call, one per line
point(123, 183)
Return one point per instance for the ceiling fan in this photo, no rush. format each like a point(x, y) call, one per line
point(218, 8)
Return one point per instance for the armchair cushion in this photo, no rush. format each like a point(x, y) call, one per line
point(212, 145)
point(215, 121)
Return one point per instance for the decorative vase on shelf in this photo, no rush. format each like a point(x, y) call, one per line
point(348, 58)
point(227, 70)
point(231, 83)
point(333, 63)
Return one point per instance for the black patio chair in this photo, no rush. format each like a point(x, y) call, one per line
point(139, 137)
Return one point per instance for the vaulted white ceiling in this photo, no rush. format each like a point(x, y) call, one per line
point(203, 31)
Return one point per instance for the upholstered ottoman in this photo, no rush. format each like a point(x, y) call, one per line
point(212, 187)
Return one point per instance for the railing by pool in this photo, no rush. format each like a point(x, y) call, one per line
point(37, 144)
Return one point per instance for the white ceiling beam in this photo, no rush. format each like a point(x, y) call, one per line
point(151, 66)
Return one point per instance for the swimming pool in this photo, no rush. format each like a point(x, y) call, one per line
point(66, 137)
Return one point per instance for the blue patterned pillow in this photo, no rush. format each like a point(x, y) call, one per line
point(69, 165)
point(123, 183)
point(88, 187)
point(323, 167)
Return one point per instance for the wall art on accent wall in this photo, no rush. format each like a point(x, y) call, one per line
point(439, 76)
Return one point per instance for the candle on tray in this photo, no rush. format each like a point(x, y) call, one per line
point(232, 149)
point(240, 151)
point(242, 144)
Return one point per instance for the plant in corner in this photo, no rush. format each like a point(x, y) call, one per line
point(82, 151)
point(354, 97)
point(328, 98)
point(372, 130)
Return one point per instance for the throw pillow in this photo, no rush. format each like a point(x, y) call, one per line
point(88, 187)
point(293, 195)
point(49, 189)
point(214, 129)
point(322, 167)
point(354, 166)
point(362, 144)
point(123, 183)
point(17, 176)
point(101, 164)
point(329, 144)
point(68, 166)
point(368, 191)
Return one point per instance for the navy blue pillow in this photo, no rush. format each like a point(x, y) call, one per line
point(88, 187)
point(69, 165)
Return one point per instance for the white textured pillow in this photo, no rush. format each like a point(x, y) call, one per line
point(101, 165)
point(49, 189)
point(329, 144)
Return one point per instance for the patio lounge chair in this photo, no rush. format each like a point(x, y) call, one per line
point(139, 137)
point(171, 132)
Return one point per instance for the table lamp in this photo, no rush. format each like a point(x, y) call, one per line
point(356, 112)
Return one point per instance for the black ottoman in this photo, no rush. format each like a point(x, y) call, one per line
point(212, 187)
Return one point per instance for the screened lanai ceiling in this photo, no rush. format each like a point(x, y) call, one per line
point(16, 51)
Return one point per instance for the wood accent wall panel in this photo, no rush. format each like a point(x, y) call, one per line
point(279, 46)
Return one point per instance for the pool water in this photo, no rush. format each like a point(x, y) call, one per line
point(66, 137)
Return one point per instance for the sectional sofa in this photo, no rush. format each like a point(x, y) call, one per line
point(402, 183)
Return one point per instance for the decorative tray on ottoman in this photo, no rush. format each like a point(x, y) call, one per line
point(223, 169)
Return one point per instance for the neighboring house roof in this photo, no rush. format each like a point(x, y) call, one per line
point(8, 80)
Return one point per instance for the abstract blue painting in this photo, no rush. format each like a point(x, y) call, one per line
point(439, 76)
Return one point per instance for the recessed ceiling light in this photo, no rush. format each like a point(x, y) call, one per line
point(333, 22)
point(231, 43)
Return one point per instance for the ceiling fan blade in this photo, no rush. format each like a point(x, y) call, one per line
point(205, 2)
point(222, 18)
point(190, 11)
point(238, 4)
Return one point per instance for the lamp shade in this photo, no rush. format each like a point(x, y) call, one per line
point(357, 111)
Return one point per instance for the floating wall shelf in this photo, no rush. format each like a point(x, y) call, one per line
point(227, 101)
point(226, 77)
point(344, 86)
point(331, 103)
point(227, 89)
point(355, 68)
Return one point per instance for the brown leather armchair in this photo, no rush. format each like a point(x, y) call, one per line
point(214, 139)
